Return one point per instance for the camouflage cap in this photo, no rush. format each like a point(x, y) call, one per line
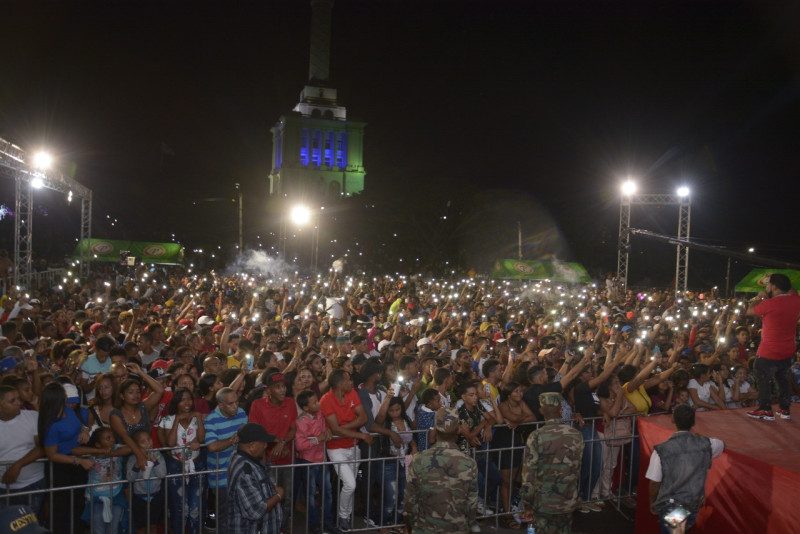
point(550, 399)
point(446, 420)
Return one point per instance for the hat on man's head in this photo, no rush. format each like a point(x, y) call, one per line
point(251, 432)
point(446, 420)
point(424, 341)
point(384, 343)
point(19, 519)
point(8, 363)
point(342, 339)
point(95, 327)
point(72, 394)
point(274, 378)
point(159, 372)
point(185, 324)
point(205, 320)
point(550, 399)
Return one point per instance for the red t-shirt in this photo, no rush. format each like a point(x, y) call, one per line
point(779, 318)
point(345, 412)
point(277, 420)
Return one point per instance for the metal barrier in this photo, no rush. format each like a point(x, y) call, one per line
point(373, 470)
point(47, 279)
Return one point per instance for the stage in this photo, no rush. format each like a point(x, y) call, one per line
point(754, 486)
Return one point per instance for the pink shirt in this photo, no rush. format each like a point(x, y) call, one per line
point(305, 440)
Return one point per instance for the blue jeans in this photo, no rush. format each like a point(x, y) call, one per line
point(489, 477)
point(34, 501)
point(101, 527)
point(765, 369)
point(394, 489)
point(184, 495)
point(592, 462)
point(316, 477)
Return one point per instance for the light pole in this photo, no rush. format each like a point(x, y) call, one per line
point(629, 197)
point(241, 233)
point(628, 189)
point(302, 216)
point(23, 231)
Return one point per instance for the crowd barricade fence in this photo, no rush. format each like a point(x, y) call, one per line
point(370, 491)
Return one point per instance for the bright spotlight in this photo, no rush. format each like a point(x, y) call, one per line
point(751, 250)
point(683, 191)
point(300, 215)
point(629, 188)
point(42, 160)
point(37, 183)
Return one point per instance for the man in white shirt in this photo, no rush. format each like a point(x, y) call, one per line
point(19, 447)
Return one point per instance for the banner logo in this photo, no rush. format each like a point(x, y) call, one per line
point(523, 268)
point(154, 251)
point(103, 247)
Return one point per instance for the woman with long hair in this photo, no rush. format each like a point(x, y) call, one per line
point(131, 414)
point(515, 413)
point(183, 429)
point(103, 402)
point(63, 431)
point(206, 399)
point(394, 468)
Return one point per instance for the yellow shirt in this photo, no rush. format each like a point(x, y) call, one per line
point(493, 391)
point(639, 398)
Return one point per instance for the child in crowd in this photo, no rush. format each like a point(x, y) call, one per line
point(682, 396)
point(431, 401)
point(394, 468)
point(312, 432)
point(105, 502)
point(148, 499)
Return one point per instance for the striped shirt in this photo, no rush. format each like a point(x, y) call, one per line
point(219, 427)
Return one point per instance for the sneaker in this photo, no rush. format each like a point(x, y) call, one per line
point(475, 527)
point(344, 525)
point(592, 507)
point(370, 523)
point(784, 414)
point(762, 414)
point(583, 509)
point(483, 509)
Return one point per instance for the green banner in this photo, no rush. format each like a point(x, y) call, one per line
point(557, 271)
point(108, 250)
point(757, 279)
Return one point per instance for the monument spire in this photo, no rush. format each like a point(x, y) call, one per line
point(320, 51)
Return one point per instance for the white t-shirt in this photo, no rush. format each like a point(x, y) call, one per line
point(654, 472)
point(17, 440)
point(703, 392)
point(147, 359)
point(185, 435)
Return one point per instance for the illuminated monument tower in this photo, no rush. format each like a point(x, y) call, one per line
point(316, 151)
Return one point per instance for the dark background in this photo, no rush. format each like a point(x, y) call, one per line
point(483, 112)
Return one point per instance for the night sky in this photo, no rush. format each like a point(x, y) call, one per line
point(534, 111)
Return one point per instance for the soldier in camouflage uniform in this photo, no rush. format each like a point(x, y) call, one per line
point(551, 470)
point(442, 489)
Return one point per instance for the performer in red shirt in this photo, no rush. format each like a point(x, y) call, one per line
point(779, 308)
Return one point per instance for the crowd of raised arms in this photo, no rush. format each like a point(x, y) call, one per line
point(144, 359)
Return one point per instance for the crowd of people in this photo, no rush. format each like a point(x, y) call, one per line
point(156, 390)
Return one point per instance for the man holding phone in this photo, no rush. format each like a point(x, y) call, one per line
point(678, 469)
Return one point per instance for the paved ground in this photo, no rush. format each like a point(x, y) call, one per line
point(605, 522)
point(608, 521)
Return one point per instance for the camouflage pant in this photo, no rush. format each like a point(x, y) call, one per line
point(553, 524)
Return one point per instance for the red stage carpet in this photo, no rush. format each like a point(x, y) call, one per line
point(753, 487)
